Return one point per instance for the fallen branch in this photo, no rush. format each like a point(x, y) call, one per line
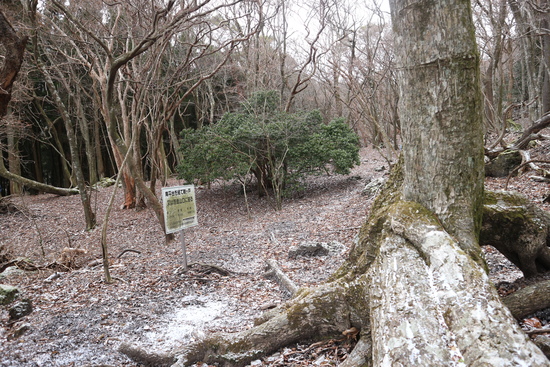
point(21, 264)
point(540, 179)
point(531, 133)
point(281, 278)
point(520, 167)
point(207, 269)
point(500, 139)
point(39, 186)
point(128, 250)
point(527, 157)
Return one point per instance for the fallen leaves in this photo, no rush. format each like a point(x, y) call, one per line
point(230, 248)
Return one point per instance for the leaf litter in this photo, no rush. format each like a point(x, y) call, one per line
point(79, 320)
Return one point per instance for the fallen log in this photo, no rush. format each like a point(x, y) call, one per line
point(529, 299)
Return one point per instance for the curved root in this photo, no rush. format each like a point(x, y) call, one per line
point(314, 313)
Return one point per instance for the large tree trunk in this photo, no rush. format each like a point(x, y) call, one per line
point(441, 113)
point(429, 302)
point(414, 284)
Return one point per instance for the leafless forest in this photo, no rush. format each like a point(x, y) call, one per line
point(96, 92)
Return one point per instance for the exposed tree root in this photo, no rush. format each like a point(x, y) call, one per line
point(313, 314)
point(529, 299)
point(145, 357)
point(460, 304)
point(429, 302)
point(518, 229)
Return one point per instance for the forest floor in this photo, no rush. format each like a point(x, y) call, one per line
point(79, 320)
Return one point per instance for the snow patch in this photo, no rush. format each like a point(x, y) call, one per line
point(187, 324)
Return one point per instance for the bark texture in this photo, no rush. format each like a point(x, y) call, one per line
point(529, 299)
point(414, 284)
point(462, 302)
point(14, 50)
point(440, 112)
point(518, 229)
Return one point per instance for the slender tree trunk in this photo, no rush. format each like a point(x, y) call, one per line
point(527, 44)
point(544, 25)
point(14, 160)
point(65, 169)
point(493, 85)
point(86, 129)
point(89, 214)
point(174, 141)
point(97, 146)
point(37, 158)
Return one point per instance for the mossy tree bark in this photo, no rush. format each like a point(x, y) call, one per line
point(518, 229)
point(441, 113)
point(415, 283)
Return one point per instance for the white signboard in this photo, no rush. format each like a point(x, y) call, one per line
point(180, 210)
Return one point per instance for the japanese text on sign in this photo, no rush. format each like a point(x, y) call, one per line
point(179, 207)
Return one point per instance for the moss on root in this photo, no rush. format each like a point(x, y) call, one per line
point(366, 249)
point(518, 229)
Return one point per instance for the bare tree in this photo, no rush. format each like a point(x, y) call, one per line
point(63, 111)
point(493, 32)
point(359, 72)
point(414, 284)
point(14, 45)
point(531, 18)
point(115, 51)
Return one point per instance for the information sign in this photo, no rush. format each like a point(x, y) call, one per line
point(180, 210)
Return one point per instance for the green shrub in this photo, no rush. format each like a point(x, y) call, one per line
point(277, 147)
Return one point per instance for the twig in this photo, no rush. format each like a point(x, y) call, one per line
point(273, 239)
point(538, 331)
point(128, 250)
point(103, 241)
point(519, 167)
